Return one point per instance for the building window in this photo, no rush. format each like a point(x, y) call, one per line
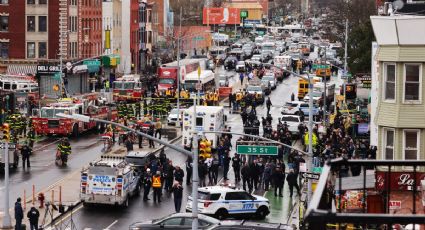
point(4, 2)
point(4, 49)
point(73, 23)
point(31, 23)
point(411, 144)
point(31, 50)
point(4, 23)
point(42, 23)
point(390, 81)
point(73, 2)
point(30, 2)
point(42, 50)
point(412, 82)
point(149, 37)
point(388, 149)
point(42, 2)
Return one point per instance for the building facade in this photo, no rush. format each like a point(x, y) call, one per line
point(400, 69)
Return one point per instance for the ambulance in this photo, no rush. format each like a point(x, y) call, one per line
point(109, 181)
point(208, 118)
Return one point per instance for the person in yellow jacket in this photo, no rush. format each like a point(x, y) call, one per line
point(306, 140)
point(215, 97)
point(168, 92)
point(156, 185)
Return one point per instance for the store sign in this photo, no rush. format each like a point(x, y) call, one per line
point(394, 204)
point(221, 16)
point(399, 181)
point(47, 69)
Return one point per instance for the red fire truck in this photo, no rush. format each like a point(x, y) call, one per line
point(48, 123)
point(127, 88)
point(167, 73)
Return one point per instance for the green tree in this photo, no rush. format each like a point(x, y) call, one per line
point(359, 48)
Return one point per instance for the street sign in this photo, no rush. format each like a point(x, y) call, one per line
point(257, 150)
point(308, 175)
point(198, 38)
point(244, 13)
point(318, 66)
point(11, 145)
point(394, 204)
point(57, 76)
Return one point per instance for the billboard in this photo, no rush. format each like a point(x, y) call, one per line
point(221, 16)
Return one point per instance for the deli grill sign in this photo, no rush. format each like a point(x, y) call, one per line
point(47, 69)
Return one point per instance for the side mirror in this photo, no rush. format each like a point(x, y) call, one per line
point(161, 225)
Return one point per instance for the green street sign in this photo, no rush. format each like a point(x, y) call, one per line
point(91, 62)
point(244, 13)
point(198, 38)
point(257, 150)
point(317, 170)
point(317, 66)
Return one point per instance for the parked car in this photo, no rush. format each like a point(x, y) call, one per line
point(230, 63)
point(270, 77)
point(176, 221)
point(248, 225)
point(172, 116)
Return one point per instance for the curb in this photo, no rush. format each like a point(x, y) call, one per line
point(79, 202)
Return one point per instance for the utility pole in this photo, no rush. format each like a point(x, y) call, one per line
point(310, 136)
point(178, 69)
point(7, 223)
point(195, 175)
point(345, 57)
point(324, 97)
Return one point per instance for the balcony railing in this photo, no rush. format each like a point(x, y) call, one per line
point(327, 209)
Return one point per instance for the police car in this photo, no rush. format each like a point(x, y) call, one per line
point(224, 201)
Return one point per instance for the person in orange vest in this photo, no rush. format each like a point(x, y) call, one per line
point(156, 185)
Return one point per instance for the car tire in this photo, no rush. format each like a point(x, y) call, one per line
point(262, 212)
point(297, 113)
point(221, 214)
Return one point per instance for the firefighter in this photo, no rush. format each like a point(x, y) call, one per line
point(31, 137)
point(156, 185)
point(64, 149)
point(120, 111)
point(216, 98)
point(24, 125)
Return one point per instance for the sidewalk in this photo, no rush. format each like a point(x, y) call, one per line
point(66, 191)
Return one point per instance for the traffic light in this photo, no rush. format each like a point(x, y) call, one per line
point(202, 148)
point(5, 131)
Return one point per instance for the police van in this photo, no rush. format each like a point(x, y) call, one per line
point(110, 181)
point(224, 201)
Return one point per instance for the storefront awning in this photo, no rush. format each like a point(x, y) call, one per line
point(21, 69)
point(93, 66)
point(80, 69)
point(355, 183)
point(111, 60)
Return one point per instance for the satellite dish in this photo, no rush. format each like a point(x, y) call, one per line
point(397, 5)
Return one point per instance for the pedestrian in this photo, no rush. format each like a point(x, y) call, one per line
point(255, 173)
point(128, 144)
point(236, 164)
point(33, 215)
point(156, 185)
point(268, 104)
point(267, 176)
point(178, 174)
point(19, 214)
point(226, 165)
point(189, 166)
point(241, 77)
point(147, 183)
point(292, 182)
point(158, 128)
point(169, 176)
point(246, 177)
point(279, 181)
point(151, 133)
point(292, 97)
point(202, 172)
point(214, 169)
point(178, 195)
point(26, 153)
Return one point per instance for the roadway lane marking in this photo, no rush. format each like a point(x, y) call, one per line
point(113, 223)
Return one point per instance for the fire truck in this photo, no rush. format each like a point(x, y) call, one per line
point(127, 88)
point(46, 122)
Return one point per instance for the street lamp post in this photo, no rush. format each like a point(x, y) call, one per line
point(310, 135)
point(178, 70)
point(7, 223)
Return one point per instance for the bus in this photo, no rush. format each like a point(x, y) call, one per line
point(206, 78)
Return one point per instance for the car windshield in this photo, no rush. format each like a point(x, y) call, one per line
point(290, 119)
point(128, 85)
point(241, 63)
point(268, 78)
point(253, 88)
point(117, 85)
point(173, 111)
point(169, 81)
point(51, 112)
point(316, 94)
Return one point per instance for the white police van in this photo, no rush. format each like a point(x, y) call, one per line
point(223, 201)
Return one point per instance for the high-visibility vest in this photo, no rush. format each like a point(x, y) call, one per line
point(156, 182)
point(215, 96)
point(238, 96)
point(314, 139)
point(168, 92)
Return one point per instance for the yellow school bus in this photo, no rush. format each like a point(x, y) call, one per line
point(303, 86)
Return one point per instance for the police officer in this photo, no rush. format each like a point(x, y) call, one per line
point(147, 183)
point(178, 174)
point(33, 215)
point(246, 177)
point(156, 185)
point(189, 168)
point(26, 152)
point(236, 164)
point(214, 169)
point(279, 181)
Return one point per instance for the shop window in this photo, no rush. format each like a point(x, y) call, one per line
point(412, 82)
point(390, 81)
point(411, 144)
point(388, 149)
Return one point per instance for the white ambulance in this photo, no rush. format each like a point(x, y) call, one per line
point(110, 181)
point(208, 118)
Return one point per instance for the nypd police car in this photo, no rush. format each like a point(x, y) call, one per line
point(223, 201)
